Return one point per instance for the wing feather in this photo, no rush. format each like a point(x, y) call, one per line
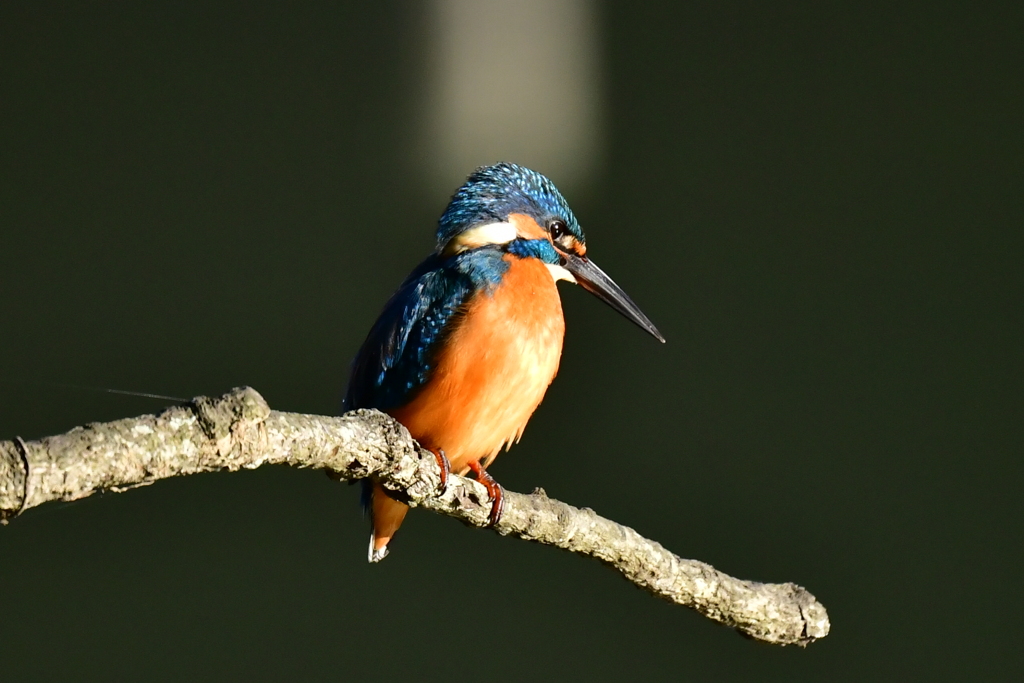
point(397, 356)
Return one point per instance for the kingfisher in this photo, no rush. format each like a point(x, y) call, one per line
point(465, 349)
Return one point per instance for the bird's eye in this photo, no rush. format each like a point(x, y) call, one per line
point(557, 229)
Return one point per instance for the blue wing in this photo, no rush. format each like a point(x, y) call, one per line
point(398, 354)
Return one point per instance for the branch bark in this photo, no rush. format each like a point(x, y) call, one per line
point(238, 430)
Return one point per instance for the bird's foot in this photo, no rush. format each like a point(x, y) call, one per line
point(494, 490)
point(446, 468)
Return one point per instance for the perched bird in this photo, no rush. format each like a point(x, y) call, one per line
point(467, 346)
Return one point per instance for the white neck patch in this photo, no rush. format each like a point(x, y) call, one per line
point(560, 273)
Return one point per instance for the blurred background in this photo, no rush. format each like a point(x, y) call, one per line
point(819, 205)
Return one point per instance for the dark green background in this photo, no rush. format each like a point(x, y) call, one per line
point(819, 206)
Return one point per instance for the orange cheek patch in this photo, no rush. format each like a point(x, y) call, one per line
point(527, 228)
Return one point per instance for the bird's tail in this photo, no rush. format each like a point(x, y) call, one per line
point(386, 515)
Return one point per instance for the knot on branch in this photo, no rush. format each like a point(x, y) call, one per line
point(13, 478)
point(233, 422)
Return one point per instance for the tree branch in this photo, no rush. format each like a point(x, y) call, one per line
point(238, 430)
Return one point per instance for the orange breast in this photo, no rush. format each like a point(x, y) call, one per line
point(494, 369)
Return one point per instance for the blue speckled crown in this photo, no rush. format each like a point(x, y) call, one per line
point(492, 193)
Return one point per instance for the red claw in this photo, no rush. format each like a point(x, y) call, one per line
point(494, 490)
point(446, 468)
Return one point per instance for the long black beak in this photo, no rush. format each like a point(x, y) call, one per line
point(593, 279)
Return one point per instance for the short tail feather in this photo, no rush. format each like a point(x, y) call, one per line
point(386, 515)
point(375, 554)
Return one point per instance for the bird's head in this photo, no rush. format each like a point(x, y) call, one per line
point(522, 212)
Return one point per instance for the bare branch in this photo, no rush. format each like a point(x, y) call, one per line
point(238, 430)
